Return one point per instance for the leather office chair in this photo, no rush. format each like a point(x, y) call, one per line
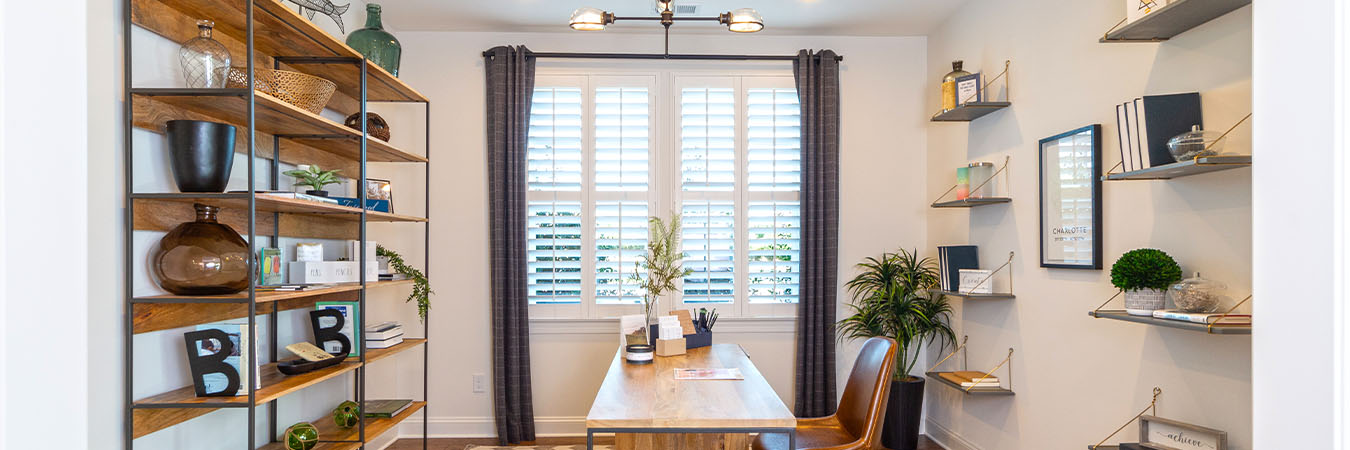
point(857, 423)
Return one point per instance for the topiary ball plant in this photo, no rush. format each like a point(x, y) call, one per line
point(1145, 268)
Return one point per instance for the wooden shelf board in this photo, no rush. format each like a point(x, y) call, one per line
point(994, 296)
point(377, 354)
point(279, 31)
point(328, 431)
point(264, 297)
point(274, 386)
point(969, 111)
point(1196, 166)
point(1172, 19)
point(148, 317)
point(981, 391)
point(266, 203)
point(273, 116)
point(972, 202)
point(1150, 320)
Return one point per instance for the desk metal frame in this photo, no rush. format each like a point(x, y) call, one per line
point(791, 432)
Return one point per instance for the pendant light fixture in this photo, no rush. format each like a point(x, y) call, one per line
point(743, 20)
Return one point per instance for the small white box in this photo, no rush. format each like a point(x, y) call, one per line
point(973, 281)
point(309, 252)
point(311, 272)
point(352, 250)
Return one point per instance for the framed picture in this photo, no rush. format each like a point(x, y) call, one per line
point(1164, 434)
point(1071, 199)
point(968, 89)
point(380, 190)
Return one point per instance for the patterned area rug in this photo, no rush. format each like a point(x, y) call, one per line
point(543, 447)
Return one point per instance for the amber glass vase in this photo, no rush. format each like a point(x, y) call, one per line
point(203, 257)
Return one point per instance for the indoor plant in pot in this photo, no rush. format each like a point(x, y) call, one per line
point(891, 298)
point(1144, 275)
point(315, 178)
point(663, 264)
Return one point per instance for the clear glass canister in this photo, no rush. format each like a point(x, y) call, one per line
point(1197, 295)
point(982, 173)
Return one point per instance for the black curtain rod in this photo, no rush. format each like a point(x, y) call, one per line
point(668, 56)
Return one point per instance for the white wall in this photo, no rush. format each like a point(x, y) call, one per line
point(1078, 378)
point(44, 295)
point(883, 142)
point(1299, 217)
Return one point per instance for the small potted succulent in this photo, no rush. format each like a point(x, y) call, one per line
point(1144, 275)
point(315, 178)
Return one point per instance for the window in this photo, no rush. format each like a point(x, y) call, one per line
point(606, 152)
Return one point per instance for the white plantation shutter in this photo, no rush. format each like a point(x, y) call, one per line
point(708, 139)
point(622, 135)
point(554, 154)
point(709, 241)
point(553, 234)
point(773, 172)
point(620, 242)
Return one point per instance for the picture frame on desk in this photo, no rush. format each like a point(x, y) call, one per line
point(1071, 199)
point(377, 189)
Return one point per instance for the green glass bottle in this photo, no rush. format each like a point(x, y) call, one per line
point(376, 44)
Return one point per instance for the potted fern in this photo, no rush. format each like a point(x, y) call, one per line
point(893, 297)
point(1144, 275)
point(315, 178)
point(663, 264)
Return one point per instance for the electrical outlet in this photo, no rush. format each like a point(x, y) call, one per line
point(479, 383)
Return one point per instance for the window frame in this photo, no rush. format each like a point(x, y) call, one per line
point(664, 193)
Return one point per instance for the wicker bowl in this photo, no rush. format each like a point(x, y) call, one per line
point(305, 91)
point(376, 125)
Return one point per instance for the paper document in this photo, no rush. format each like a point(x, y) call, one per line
point(709, 374)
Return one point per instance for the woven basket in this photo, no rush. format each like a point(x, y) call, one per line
point(376, 125)
point(305, 91)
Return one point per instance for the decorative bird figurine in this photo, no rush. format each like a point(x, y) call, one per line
point(309, 7)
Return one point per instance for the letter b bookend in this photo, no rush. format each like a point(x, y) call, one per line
point(324, 335)
point(213, 363)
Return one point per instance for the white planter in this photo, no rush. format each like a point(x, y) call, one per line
point(1144, 301)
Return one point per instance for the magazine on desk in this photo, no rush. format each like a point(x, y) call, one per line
point(709, 374)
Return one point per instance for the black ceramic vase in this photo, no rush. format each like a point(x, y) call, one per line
point(203, 257)
point(903, 412)
point(201, 154)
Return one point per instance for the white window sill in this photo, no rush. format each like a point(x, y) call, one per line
point(611, 326)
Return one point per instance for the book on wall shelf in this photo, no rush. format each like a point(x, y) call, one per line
point(292, 195)
point(953, 258)
point(1217, 319)
point(1146, 123)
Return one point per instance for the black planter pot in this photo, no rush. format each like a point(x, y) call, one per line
point(316, 193)
point(201, 154)
point(903, 412)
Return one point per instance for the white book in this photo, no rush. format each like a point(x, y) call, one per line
point(981, 384)
point(1123, 134)
point(1132, 118)
point(384, 343)
point(384, 330)
point(1172, 314)
point(1145, 160)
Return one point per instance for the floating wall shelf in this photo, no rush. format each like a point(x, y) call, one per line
point(1171, 20)
point(1000, 391)
point(972, 202)
point(970, 111)
point(937, 376)
point(1180, 325)
point(972, 296)
point(1185, 168)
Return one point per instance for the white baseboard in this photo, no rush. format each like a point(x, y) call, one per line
point(946, 438)
point(477, 427)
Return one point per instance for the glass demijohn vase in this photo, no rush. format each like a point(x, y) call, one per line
point(203, 257)
point(205, 60)
point(376, 44)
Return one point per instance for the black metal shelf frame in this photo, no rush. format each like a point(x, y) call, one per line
point(129, 228)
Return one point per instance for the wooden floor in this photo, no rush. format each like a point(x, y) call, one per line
point(459, 444)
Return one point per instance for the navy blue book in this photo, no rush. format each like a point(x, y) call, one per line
point(953, 258)
point(1162, 117)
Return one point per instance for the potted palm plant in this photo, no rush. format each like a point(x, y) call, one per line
point(315, 178)
point(663, 264)
point(891, 297)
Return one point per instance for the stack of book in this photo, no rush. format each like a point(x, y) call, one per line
point(384, 335)
point(1147, 123)
point(972, 380)
point(291, 195)
point(1216, 319)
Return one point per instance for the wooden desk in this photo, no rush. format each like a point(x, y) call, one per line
point(647, 408)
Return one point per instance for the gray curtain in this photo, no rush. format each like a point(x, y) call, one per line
point(510, 87)
point(818, 87)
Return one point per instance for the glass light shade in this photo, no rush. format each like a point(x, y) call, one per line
point(745, 20)
point(588, 19)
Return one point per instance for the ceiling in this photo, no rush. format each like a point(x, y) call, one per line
point(784, 17)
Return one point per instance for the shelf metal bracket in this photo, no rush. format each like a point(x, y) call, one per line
point(1151, 409)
